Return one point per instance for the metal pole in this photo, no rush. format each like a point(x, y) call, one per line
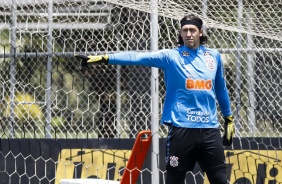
point(204, 13)
point(154, 95)
point(70, 54)
point(118, 103)
point(250, 77)
point(238, 68)
point(118, 89)
point(49, 71)
point(13, 68)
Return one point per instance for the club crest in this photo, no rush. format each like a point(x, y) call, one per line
point(210, 64)
point(173, 161)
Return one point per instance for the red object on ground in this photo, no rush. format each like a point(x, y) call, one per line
point(137, 157)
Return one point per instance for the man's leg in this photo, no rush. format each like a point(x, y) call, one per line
point(211, 156)
point(181, 153)
point(217, 176)
point(174, 177)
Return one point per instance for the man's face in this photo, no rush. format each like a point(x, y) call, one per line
point(191, 36)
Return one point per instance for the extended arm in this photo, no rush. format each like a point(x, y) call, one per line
point(153, 59)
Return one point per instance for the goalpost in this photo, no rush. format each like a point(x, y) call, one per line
point(46, 100)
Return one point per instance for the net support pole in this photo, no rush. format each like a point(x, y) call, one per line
point(13, 38)
point(118, 103)
point(251, 79)
point(204, 13)
point(238, 65)
point(49, 71)
point(118, 85)
point(154, 94)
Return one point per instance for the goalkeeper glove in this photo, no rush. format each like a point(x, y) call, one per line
point(228, 131)
point(85, 60)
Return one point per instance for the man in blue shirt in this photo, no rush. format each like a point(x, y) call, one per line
point(194, 79)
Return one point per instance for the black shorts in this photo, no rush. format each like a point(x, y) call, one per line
point(186, 146)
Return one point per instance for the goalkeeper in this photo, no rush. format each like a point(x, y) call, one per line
point(194, 79)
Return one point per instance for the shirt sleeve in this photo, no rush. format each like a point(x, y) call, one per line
point(156, 59)
point(221, 90)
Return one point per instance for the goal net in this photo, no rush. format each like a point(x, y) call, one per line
point(48, 104)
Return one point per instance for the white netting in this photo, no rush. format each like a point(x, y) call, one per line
point(257, 17)
point(43, 94)
point(247, 34)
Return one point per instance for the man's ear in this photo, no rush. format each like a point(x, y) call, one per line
point(201, 32)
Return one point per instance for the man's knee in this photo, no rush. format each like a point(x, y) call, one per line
point(217, 176)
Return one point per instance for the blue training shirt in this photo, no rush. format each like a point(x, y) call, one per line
point(194, 79)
